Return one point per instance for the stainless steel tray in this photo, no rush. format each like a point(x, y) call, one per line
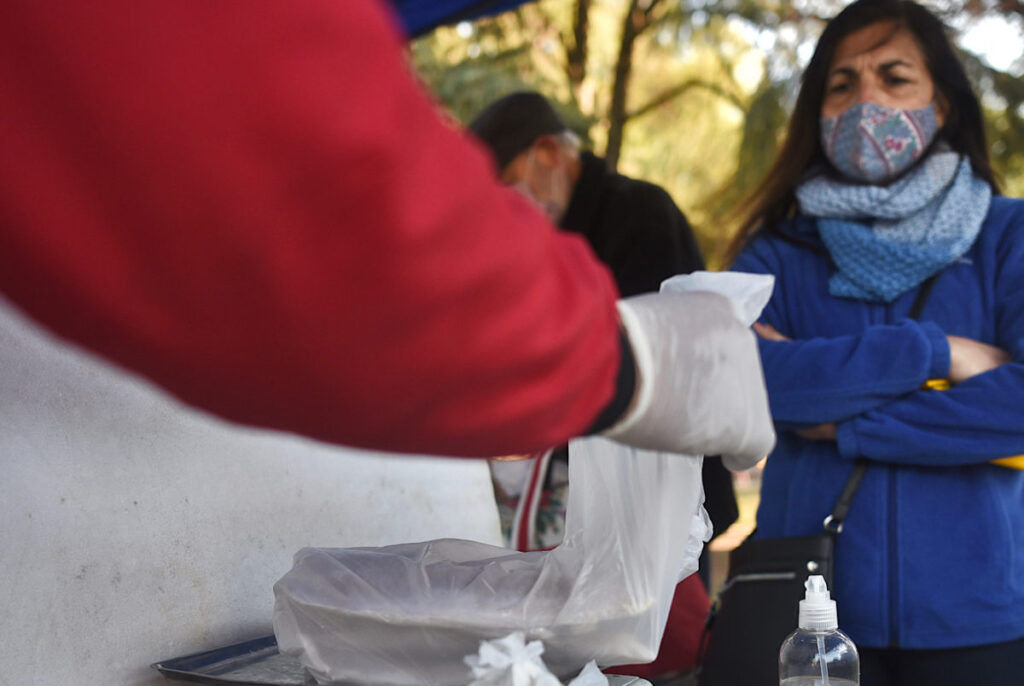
point(252, 663)
point(258, 663)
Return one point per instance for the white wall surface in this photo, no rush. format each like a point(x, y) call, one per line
point(135, 530)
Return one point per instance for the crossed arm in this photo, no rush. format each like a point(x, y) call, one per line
point(968, 358)
point(864, 390)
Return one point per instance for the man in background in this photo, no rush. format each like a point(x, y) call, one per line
point(633, 226)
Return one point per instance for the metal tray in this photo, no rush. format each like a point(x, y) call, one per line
point(258, 663)
point(250, 663)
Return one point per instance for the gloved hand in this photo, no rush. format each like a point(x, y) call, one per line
point(700, 388)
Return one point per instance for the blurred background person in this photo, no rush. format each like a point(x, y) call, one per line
point(634, 227)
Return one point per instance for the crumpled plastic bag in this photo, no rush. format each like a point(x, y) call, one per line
point(407, 614)
point(511, 661)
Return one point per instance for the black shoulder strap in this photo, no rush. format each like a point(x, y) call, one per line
point(923, 292)
point(834, 522)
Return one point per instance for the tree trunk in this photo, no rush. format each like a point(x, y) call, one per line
point(635, 21)
point(576, 56)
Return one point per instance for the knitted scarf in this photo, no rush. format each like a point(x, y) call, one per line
point(886, 240)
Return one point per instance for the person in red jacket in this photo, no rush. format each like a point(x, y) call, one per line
point(258, 208)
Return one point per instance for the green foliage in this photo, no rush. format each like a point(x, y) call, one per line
point(500, 57)
point(1005, 119)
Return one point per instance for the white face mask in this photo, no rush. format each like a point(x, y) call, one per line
point(551, 194)
point(526, 192)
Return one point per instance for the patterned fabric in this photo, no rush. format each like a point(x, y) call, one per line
point(532, 511)
point(550, 521)
point(886, 240)
point(873, 143)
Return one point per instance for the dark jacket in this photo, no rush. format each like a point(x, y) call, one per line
point(633, 226)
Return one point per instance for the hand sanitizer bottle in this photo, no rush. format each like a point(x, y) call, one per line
point(818, 653)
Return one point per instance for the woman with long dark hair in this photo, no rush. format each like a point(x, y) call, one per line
point(883, 195)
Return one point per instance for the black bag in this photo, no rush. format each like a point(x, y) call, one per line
point(757, 607)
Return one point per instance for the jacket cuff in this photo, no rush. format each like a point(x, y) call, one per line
point(939, 368)
point(846, 439)
point(625, 388)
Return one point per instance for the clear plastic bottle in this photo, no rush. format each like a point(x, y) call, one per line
point(818, 653)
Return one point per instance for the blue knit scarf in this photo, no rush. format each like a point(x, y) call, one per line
point(886, 240)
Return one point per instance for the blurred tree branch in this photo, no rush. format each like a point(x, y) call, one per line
point(576, 52)
point(680, 89)
point(638, 18)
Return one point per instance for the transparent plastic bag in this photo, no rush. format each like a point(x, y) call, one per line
point(408, 614)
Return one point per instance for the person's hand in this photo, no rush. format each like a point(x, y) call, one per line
point(969, 357)
point(821, 432)
point(700, 387)
point(769, 332)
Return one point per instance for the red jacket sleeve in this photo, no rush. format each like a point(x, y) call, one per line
point(256, 206)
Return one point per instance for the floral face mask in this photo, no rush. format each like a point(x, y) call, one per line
point(874, 143)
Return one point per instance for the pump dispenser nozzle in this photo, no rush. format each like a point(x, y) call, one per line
point(817, 609)
point(818, 652)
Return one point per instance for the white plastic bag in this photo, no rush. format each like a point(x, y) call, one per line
point(511, 661)
point(407, 614)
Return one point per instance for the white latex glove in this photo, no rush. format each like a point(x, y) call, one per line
point(700, 384)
